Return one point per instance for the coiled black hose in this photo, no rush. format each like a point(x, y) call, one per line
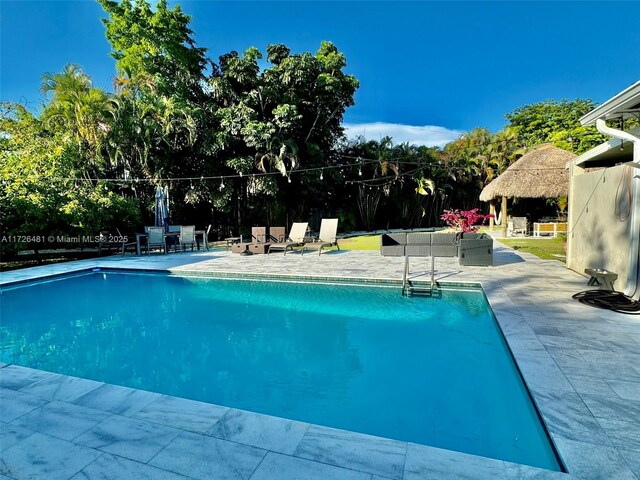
point(610, 300)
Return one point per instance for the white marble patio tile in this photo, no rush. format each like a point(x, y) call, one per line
point(586, 461)
point(258, 430)
point(278, 466)
point(41, 456)
point(540, 371)
point(626, 390)
point(206, 458)
point(591, 386)
point(633, 460)
point(181, 413)
point(112, 467)
point(622, 434)
point(430, 463)
point(605, 369)
point(61, 387)
point(613, 408)
point(14, 404)
point(60, 419)
point(115, 399)
point(16, 377)
point(525, 344)
point(569, 342)
point(566, 415)
point(375, 455)
point(623, 347)
point(128, 437)
point(12, 434)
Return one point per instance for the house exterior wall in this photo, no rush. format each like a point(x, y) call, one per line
point(597, 236)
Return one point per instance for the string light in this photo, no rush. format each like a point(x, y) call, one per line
point(321, 176)
point(288, 178)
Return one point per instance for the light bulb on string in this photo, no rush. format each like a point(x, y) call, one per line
point(222, 184)
point(360, 171)
point(289, 178)
point(321, 175)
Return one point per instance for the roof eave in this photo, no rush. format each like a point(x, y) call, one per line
point(615, 106)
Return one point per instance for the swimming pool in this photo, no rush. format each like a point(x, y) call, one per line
point(434, 371)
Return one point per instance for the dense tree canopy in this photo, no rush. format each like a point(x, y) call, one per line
point(240, 140)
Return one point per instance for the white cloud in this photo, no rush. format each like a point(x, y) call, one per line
point(429, 135)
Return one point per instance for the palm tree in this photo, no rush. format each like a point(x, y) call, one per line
point(78, 107)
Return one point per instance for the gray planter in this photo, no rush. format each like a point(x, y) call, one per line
point(476, 249)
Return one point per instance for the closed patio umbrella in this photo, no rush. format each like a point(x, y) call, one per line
point(162, 207)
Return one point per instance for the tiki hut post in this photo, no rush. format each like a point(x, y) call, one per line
point(503, 213)
point(492, 212)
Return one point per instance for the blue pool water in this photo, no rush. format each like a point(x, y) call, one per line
point(434, 371)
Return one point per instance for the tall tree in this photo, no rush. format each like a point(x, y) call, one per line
point(157, 44)
point(557, 122)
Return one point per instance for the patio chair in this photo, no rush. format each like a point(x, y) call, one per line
point(326, 237)
point(295, 238)
point(187, 237)
point(205, 237)
point(518, 226)
point(107, 242)
point(155, 239)
point(128, 241)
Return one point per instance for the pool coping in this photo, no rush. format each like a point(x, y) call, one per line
point(517, 335)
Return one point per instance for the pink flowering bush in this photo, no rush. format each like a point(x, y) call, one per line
point(463, 220)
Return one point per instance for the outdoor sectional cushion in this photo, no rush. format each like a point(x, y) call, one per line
point(393, 244)
point(444, 244)
point(418, 245)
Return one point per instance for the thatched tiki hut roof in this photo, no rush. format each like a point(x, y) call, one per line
point(540, 173)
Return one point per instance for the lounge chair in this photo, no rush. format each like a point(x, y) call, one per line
point(326, 237)
point(295, 238)
point(156, 239)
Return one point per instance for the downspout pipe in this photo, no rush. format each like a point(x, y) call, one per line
point(634, 250)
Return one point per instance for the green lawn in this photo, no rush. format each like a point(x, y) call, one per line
point(363, 242)
point(545, 248)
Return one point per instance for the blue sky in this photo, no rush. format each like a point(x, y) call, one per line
point(428, 70)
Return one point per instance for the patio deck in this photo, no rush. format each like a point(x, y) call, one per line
point(581, 364)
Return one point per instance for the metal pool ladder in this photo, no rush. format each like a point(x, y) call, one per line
point(408, 288)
